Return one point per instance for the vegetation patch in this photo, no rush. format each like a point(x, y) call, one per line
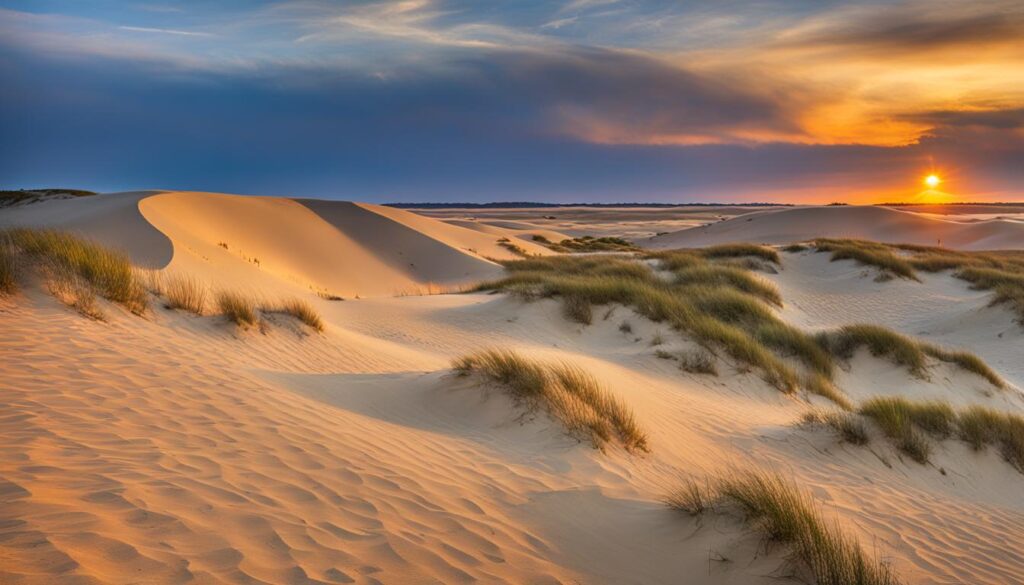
point(586, 244)
point(236, 308)
point(867, 253)
point(301, 310)
point(184, 293)
point(789, 516)
point(75, 269)
point(901, 350)
point(911, 425)
point(566, 392)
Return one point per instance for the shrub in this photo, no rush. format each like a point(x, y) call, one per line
point(789, 515)
point(569, 394)
point(185, 293)
point(237, 308)
point(698, 362)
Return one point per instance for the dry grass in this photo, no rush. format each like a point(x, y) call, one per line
point(301, 310)
point(980, 427)
point(587, 244)
point(514, 248)
point(721, 308)
point(848, 426)
point(698, 362)
point(868, 253)
point(1000, 272)
point(184, 293)
point(902, 350)
point(569, 394)
point(76, 267)
point(790, 516)
point(237, 308)
point(740, 250)
point(8, 268)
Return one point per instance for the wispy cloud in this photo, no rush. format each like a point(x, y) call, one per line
point(165, 31)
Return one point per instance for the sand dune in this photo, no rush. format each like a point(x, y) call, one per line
point(334, 247)
point(172, 448)
point(881, 224)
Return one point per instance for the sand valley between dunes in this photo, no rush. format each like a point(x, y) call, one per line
point(175, 448)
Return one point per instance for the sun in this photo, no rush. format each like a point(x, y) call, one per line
point(932, 181)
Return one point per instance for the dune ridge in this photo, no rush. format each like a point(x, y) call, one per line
point(877, 223)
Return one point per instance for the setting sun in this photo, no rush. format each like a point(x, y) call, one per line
point(932, 181)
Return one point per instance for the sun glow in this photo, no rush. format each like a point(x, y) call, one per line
point(932, 181)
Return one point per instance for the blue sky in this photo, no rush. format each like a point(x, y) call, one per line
point(581, 100)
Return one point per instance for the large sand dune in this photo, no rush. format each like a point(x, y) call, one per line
point(334, 247)
point(172, 448)
point(883, 224)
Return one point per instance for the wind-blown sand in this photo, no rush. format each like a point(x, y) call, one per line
point(178, 449)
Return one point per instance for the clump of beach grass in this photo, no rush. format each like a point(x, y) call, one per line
point(739, 251)
point(301, 310)
point(236, 308)
point(76, 268)
point(902, 350)
point(904, 421)
point(566, 392)
point(867, 253)
point(848, 426)
point(699, 361)
point(185, 293)
point(8, 268)
point(790, 516)
point(979, 427)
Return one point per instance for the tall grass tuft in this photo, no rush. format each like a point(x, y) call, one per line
point(184, 293)
point(790, 516)
point(237, 308)
point(980, 426)
point(8, 267)
point(740, 250)
point(70, 261)
point(569, 394)
point(301, 310)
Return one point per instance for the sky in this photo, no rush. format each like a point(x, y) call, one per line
point(799, 101)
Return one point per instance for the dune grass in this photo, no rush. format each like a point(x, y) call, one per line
point(724, 309)
point(8, 268)
point(698, 362)
point(789, 515)
point(867, 253)
point(847, 425)
point(979, 427)
point(184, 293)
point(236, 308)
point(77, 266)
point(301, 310)
point(740, 250)
point(909, 424)
point(569, 394)
point(586, 244)
point(902, 350)
point(1001, 272)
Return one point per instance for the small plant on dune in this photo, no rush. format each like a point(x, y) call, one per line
point(966, 361)
point(184, 293)
point(820, 385)
point(301, 310)
point(569, 394)
point(740, 250)
point(73, 263)
point(625, 327)
point(848, 426)
point(514, 248)
point(698, 362)
point(903, 421)
point(789, 516)
point(794, 248)
point(728, 276)
point(236, 308)
point(691, 497)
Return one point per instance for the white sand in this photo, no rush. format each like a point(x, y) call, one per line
point(176, 449)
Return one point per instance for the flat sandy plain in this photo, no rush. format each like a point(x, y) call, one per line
point(174, 448)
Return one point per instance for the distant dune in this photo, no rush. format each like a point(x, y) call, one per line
point(883, 224)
